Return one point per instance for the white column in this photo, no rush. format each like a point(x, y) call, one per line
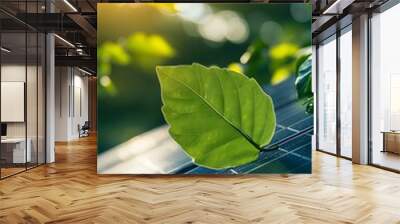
point(360, 90)
point(50, 92)
point(50, 99)
point(314, 90)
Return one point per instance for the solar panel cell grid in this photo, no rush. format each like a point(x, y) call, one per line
point(285, 163)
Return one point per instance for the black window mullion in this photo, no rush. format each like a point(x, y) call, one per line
point(26, 87)
point(317, 96)
point(0, 94)
point(37, 90)
point(369, 96)
point(338, 91)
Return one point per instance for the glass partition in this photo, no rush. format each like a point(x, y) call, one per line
point(14, 153)
point(327, 95)
point(22, 78)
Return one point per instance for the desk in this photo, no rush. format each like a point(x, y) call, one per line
point(391, 141)
point(13, 150)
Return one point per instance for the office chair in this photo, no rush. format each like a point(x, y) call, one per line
point(84, 130)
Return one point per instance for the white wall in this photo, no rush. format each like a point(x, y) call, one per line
point(80, 109)
point(62, 82)
point(71, 93)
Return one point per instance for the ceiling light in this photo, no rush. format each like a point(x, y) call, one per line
point(64, 40)
point(84, 71)
point(5, 50)
point(70, 5)
point(337, 7)
point(331, 7)
point(79, 51)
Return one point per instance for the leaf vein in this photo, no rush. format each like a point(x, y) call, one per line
point(223, 94)
point(218, 113)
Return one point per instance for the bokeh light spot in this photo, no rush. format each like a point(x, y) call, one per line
point(270, 32)
point(224, 25)
point(193, 12)
point(280, 75)
point(283, 50)
point(213, 28)
point(300, 12)
point(236, 67)
point(105, 81)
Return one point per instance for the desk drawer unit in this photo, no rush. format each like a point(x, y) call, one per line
point(391, 142)
point(13, 151)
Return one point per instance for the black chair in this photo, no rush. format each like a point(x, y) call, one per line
point(84, 130)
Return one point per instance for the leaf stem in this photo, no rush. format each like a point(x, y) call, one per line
point(270, 148)
point(276, 145)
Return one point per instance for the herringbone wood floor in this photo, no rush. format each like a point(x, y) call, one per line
point(70, 191)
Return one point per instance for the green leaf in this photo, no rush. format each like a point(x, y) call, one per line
point(300, 60)
point(221, 118)
point(303, 81)
point(309, 103)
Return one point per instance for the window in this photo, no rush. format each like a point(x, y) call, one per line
point(385, 89)
point(346, 92)
point(327, 95)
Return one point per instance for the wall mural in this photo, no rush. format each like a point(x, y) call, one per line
point(195, 88)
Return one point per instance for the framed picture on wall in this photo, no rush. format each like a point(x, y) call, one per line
point(204, 88)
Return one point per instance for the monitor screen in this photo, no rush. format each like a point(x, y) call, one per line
point(3, 129)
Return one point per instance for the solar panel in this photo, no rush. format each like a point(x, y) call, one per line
point(290, 148)
point(156, 152)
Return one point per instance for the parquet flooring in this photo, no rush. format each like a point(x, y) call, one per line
point(10, 171)
point(70, 191)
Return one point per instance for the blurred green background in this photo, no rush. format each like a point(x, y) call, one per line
point(260, 40)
